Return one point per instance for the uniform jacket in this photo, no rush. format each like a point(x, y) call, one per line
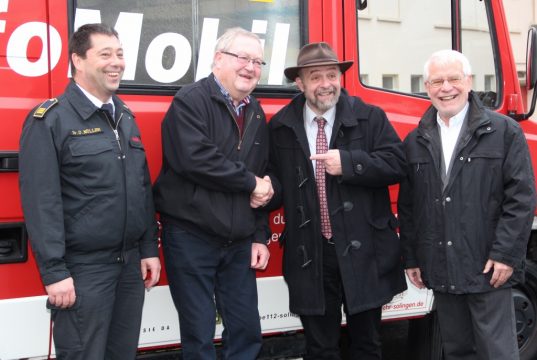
point(485, 210)
point(86, 196)
point(208, 169)
point(363, 225)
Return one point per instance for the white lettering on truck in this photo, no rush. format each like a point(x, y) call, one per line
point(18, 44)
point(129, 28)
point(3, 9)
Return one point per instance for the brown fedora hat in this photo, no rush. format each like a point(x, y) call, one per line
point(315, 54)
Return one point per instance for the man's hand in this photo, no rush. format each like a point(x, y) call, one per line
point(260, 256)
point(62, 293)
point(332, 161)
point(501, 274)
point(150, 271)
point(262, 193)
point(414, 275)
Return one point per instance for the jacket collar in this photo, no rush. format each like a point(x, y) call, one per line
point(84, 107)
point(215, 91)
point(477, 117)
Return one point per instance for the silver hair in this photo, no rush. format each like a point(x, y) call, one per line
point(444, 57)
point(223, 43)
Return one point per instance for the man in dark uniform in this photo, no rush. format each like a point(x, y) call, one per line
point(87, 202)
point(332, 158)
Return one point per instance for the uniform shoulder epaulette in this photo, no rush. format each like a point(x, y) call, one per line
point(39, 113)
point(127, 109)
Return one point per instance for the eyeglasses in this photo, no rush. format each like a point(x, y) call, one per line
point(453, 81)
point(244, 60)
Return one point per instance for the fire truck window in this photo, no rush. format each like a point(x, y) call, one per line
point(477, 45)
point(171, 42)
point(394, 41)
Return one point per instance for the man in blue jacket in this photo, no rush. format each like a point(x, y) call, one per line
point(466, 210)
point(86, 196)
point(215, 147)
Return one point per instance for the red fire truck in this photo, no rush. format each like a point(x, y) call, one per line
point(169, 43)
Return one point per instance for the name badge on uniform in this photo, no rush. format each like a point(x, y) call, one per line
point(84, 132)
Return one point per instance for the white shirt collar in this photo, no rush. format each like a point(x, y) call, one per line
point(311, 127)
point(310, 115)
point(455, 121)
point(94, 99)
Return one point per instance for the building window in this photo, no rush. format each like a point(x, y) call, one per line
point(490, 83)
point(389, 82)
point(416, 84)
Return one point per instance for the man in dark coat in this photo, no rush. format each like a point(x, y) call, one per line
point(351, 255)
point(215, 148)
point(466, 211)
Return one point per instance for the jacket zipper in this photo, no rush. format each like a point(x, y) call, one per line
point(247, 123)
point(116, 132)
point(238, 129)
point(122, 157)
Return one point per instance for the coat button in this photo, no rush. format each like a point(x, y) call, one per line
point(448, 199)
point(449, 243)
point(359, 167)
point(347, 206)
point(452, 287)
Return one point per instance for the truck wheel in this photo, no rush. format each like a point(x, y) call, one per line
point(525, 299)
point(424, 341)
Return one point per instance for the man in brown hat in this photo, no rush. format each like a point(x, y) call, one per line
point(332, 158)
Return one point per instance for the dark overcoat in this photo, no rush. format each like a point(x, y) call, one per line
point(363, 225)
point(484, 211)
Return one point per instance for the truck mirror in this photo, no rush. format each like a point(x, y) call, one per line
point(361, 4)
point(531, 72)
point(531, 58)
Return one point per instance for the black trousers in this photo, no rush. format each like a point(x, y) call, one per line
point(104, 322)
point(478, 326)
point(322, 332)
point(204, 277)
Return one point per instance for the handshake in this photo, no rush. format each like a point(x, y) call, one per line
point(262, 193)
